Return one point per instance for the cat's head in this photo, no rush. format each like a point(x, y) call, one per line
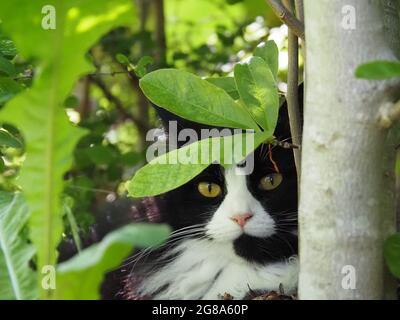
point(256, 213)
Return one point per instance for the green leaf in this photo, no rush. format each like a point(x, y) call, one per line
point(179, 166)
point(81, 276)
point(2, 164)
point(6, 66)
point(168, 173)
point(17, 279)
point(122, 59)
point(378, 70)
point(39, 114)
point(270, 53)
point(258, 91)
point(192, 98)
point(226, 83)
point(8, 89)
point(391, 252)
point(7, 48)
point(141, 67)
point(6, 139)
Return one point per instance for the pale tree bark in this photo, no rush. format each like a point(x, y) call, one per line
point(347, 202)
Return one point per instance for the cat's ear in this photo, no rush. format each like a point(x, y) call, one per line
point(282, 130)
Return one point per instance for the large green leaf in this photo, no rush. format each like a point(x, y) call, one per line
point(17, 279)
point(258, 91)
point(38, 112)
point(80, 277)
point(392, 254)
point(379, 70)
point(270, 53)
point(195, 99)
point(179, 166)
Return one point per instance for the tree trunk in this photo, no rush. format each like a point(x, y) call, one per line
point(347, 205)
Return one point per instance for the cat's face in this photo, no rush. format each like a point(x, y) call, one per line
point(257, 213)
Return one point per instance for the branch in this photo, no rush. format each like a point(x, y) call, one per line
point(299, 10)
point(293, 93)
point(389, 114)
point(84, 105)
point(160, 32)
point(296, 26)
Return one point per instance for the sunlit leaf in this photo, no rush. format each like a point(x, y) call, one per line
point(258, 91)
point(270, 53)
point(81, 276)
point(39, 113)
point(195, 99)
point(17, 279)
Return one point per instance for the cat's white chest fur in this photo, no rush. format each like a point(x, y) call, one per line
point(204, 269)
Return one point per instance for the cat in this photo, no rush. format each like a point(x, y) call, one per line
point(232, 233)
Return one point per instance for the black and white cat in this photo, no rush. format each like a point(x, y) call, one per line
point(231, 232)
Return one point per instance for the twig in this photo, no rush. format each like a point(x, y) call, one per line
point(292, 92)
point(160, 32)
point(84, 104)
point(299, 10)
point(112, 73)
point(389, 114)
point(287, 17)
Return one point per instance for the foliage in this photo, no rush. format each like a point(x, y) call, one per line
point(200, 101)
point(80, 277)
point(195, 99)
point(17, 279)
point(50, 137)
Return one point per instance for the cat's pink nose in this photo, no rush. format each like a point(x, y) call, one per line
point(241, 219)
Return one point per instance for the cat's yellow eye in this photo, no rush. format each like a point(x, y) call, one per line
point(209, 189)
point(271, 181)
